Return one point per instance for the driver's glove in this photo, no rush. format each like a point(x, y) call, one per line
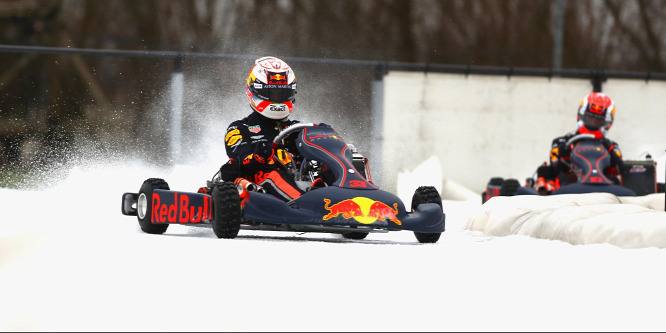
point(545, 171)
point(263, 152)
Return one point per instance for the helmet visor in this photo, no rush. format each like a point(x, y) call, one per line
point(593, 122)
point(276, 93)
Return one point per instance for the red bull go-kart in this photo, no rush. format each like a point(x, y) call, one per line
point(587, 161)
point(346, 202)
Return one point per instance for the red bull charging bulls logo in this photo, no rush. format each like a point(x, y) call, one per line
point(363, 210)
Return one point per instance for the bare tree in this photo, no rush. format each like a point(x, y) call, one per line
point(85, 99)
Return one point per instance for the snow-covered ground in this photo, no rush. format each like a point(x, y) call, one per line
point(70, 261)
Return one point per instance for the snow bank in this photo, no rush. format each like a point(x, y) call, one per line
point(429, 173)
point(627, 222)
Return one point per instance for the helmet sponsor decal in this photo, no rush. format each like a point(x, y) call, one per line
point(278, 107)
point(277, 79)
point(596, 109)
point(364, 210)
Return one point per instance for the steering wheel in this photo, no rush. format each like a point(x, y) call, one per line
point(572, 140)
point(277, 142)
point(579, 137)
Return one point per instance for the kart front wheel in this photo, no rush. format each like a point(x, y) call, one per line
point(144, 204)
point(426, 194)
point(227, 214)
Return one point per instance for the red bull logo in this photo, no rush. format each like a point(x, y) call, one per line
point(598, 109)
point(363, 210)
point(180, 211)
point(278, 77)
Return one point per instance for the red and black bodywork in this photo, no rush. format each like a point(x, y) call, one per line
point(589, 158)
point(349, 203)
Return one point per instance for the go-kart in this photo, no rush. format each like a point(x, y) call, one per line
point(588, 159)
point(347, 203)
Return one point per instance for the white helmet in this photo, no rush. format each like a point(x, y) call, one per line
point(596, 112)
point(271, 88)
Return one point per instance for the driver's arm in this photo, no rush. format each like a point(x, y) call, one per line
point(248, 156)
point(559, 150)
point(616, 163)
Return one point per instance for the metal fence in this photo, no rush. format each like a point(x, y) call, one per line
point(189, 109)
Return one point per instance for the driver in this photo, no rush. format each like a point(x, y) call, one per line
point(271, 90)
point(595, 116)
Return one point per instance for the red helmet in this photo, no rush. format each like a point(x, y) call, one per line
point(271, 88)
point(596, 112)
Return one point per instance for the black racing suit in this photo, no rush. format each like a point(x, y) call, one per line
point(248, 144)
point(560, 173)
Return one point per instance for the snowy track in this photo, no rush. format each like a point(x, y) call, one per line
point(70, 261)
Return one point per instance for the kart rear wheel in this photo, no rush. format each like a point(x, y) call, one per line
point(227, 213)
point(509, 187)
point(492, 189)
point(144, 205)
point(355, 235)
point(426, 194)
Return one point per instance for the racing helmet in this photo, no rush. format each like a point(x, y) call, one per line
point(596, 112)
point(271, 88)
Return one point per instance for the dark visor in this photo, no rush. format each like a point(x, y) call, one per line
point(593, 120)
point(277, 95)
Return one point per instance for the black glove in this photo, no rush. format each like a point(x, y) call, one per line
point(546, 172)
point(263, 151)
point(289, 142)
point(230, 171)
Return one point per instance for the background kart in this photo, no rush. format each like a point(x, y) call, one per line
point(588, 160)
point(339, 197)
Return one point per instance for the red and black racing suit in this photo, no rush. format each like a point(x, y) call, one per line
point(561, 174)
point(248, 143)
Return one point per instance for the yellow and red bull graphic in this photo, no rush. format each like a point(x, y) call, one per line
point(277, 78)
point(180, 210)
point(363, 210)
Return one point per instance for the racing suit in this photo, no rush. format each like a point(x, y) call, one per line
point(558, 173)
point(248, 144)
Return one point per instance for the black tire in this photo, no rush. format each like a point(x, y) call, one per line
point(227, 212)
point(494, 182)
point(355, 235)
point(509, 187)
point(426, 194)
point(144, 205)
